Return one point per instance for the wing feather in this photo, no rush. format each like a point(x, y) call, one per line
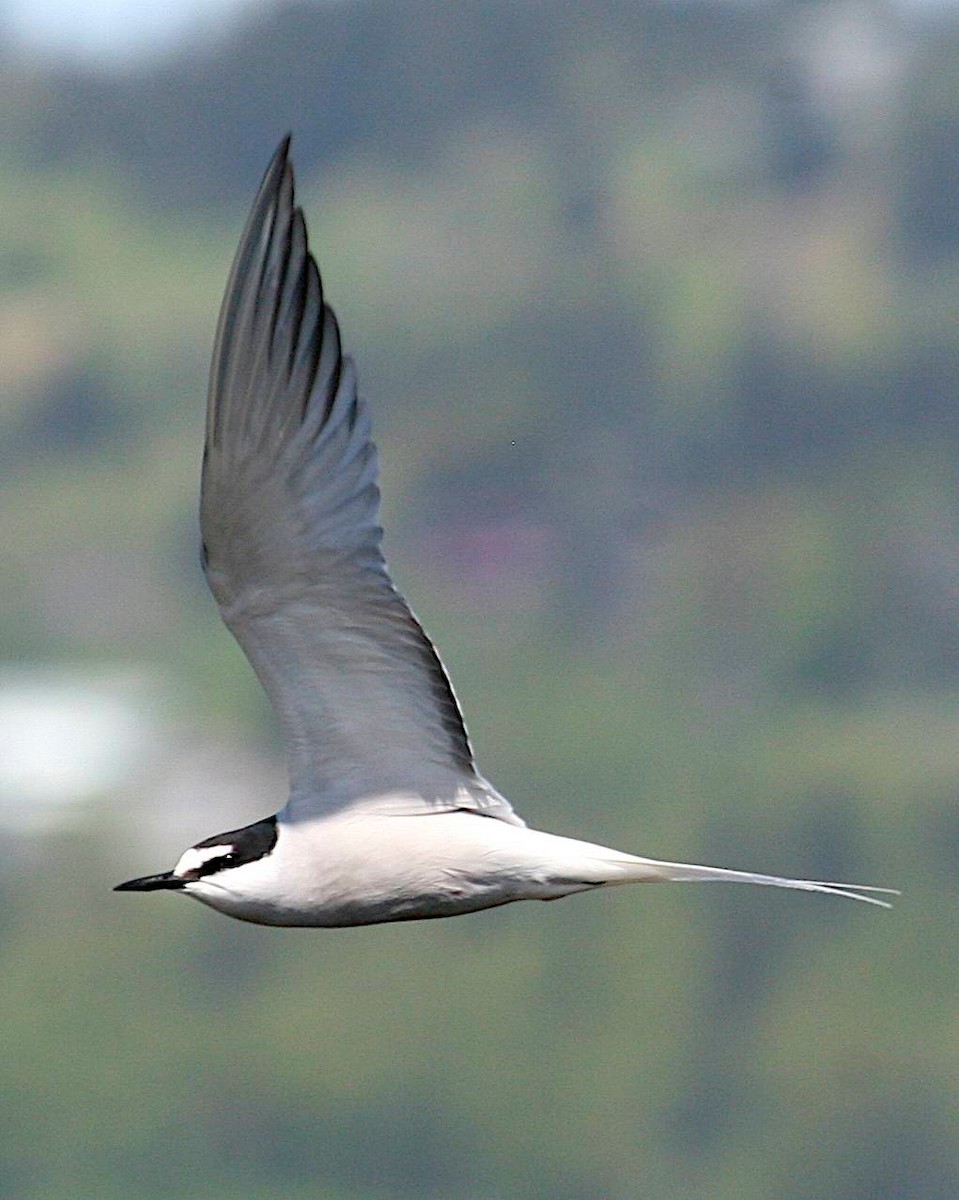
point(291, 543)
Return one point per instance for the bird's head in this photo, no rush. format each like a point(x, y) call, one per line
point(209, 858)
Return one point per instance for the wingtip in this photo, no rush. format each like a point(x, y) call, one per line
point(279, 164)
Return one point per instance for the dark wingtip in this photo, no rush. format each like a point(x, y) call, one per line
point(279, 163)
point(277, 167)
point(281, 156)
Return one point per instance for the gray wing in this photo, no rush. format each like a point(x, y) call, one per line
point(291, 543)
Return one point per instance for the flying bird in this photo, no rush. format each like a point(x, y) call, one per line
point(388, 818)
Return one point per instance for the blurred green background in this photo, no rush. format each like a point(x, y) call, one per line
point(656, 308)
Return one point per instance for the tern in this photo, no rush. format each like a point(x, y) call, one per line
point(388, 818)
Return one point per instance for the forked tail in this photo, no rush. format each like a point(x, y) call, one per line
point(649, 869)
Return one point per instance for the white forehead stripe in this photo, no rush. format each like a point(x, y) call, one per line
point(194, 858)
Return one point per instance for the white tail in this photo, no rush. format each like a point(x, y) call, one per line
point(650, 869)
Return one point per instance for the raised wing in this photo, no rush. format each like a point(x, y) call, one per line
point(291, 544)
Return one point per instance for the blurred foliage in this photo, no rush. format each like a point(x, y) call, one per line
point(655, 306)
